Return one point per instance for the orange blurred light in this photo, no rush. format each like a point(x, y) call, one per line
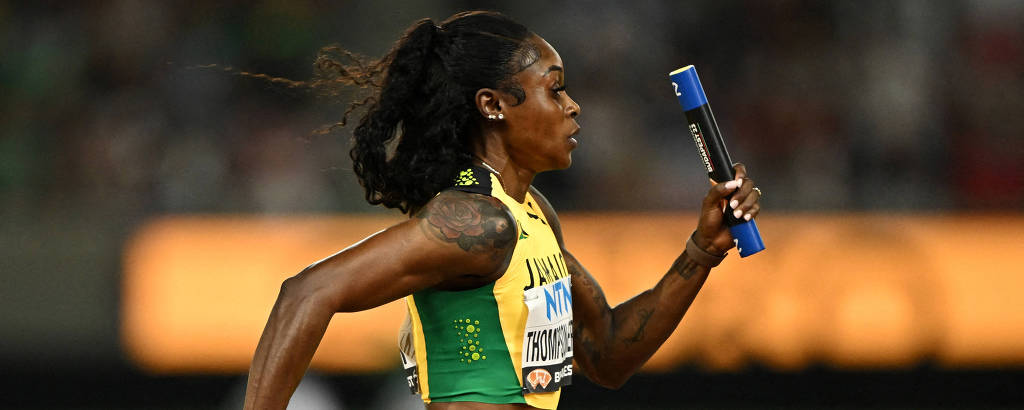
point(853, 291)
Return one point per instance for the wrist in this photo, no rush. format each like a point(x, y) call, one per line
point(702, 256)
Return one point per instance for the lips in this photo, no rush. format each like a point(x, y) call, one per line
point(572, 140)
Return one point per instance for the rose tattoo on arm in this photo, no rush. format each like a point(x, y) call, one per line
point(476, 223)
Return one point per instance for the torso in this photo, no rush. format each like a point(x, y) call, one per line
point(469, 343)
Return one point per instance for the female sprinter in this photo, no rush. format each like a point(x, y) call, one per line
point(501, 315)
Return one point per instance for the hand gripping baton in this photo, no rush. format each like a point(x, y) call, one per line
point(711, 147)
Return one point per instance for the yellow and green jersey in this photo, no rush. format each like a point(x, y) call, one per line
point(509, 341)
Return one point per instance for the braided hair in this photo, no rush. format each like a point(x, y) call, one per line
point(423, 108)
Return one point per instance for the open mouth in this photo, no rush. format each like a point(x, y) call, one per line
point(572, 139)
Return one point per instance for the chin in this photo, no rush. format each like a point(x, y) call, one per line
point(566, 163)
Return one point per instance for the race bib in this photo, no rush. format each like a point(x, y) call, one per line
point(547, 343)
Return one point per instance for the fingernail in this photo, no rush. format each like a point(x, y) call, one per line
point(734, 204)
point(732, 184)
point(747, 217)
point(737, 213)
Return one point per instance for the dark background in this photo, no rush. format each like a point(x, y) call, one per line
point(835, 106)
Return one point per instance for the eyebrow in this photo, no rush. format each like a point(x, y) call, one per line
point(553, 68)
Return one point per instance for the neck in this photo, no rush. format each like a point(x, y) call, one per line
point(515, 181)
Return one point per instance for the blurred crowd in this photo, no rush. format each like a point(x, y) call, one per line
point(117, 111)
point(910, 105)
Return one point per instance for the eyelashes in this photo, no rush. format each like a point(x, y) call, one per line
point(558, 90)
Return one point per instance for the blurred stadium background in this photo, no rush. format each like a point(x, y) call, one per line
point(150, 209)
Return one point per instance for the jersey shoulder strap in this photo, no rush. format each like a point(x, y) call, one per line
point(472, 179)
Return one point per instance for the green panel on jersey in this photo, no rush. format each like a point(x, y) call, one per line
point(467, 359)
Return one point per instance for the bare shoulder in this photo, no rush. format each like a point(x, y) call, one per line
point(478, 229)
point(549, 214)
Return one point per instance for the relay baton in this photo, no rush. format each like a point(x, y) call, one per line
point(711, 147)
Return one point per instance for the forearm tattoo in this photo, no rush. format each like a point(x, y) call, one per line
point(585, 287)
point(476, 224)
point(590, 348)
point(619, 338)
point(684, 266)
point(643, 315)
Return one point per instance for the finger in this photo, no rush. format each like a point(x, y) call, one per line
point(718, 193)
point(753, 198)
point(739, 198)
point(752, 212)
point(740, 169)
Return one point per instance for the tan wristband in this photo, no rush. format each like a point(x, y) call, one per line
point(702, 257)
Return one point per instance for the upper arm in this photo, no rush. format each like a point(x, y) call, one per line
point(456, 235)
point(591, 312)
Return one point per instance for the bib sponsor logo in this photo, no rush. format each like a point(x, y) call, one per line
point(547, 341)
point(558, 300)
point(539, 376)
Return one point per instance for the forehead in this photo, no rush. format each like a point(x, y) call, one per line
point(548, 57)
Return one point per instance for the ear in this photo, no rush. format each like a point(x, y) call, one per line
point(488, 102)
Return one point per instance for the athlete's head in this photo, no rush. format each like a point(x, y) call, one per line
point(537, 122)
point(434, 91)
point(428, 100)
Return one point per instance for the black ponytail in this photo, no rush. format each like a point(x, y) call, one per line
point(425, 90)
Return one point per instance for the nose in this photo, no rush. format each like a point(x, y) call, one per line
point(572, 109)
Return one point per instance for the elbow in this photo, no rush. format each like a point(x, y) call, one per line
point(617, 383)
point(609, 378)
point(611, 382)
point(309, 293)
point(298, 292)
point(293, 289)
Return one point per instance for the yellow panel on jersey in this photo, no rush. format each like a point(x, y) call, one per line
point(509, 341)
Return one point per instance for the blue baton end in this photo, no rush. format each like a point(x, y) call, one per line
point(747, 238)
point(688, 89)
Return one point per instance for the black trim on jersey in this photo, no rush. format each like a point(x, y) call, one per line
point(472, 179)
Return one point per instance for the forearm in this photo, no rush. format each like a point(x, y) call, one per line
point(636, 328)
point(293, 332)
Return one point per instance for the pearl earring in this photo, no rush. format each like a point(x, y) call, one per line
point(491, 117)
point(501, 116)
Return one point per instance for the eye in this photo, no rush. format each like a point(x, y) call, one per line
point(558, 90)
